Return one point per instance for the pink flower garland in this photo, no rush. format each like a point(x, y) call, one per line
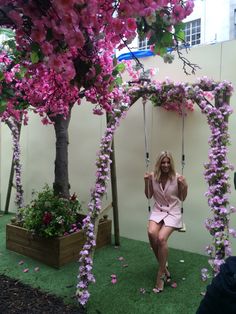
point(102, 176)
point(216, 175)
point(13, 125)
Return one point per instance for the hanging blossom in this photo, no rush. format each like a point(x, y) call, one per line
point(14, 127)
point(76, 41)
point(169, 95)
point(102, 176)
point(13, 114)
point(216, 170)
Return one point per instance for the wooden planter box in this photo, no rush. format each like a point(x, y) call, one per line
point(54, 252)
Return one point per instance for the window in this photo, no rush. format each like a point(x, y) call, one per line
point(143, 44)
point(193, 32)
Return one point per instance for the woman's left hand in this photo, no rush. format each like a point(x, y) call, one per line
point(182, 182)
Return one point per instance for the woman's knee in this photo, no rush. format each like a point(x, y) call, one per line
point(152, 232)
point(161, 240)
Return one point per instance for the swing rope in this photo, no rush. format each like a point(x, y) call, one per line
point(147, 160)
point(183, 228)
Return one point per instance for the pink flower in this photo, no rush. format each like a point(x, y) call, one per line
point(174, 285)
point(26, 270)
point(113, 279)
point(131, 24)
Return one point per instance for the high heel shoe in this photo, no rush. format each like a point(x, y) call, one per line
point(158, 289)
point(168, 276)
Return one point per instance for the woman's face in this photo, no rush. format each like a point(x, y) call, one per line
point(165, 165)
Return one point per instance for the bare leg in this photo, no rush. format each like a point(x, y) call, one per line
point(153, 231)
point(163, 236)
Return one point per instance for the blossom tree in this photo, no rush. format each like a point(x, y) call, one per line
point(13, 108)
point(69, 46)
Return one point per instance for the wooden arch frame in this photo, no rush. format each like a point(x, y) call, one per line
point(217, 116)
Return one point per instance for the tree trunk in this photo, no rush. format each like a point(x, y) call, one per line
point(61, 184)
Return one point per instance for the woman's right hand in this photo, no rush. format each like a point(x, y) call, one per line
point(147, 176)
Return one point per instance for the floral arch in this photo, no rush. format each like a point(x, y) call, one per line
point(213, 99)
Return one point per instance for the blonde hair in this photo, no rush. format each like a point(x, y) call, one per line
point(157, 169)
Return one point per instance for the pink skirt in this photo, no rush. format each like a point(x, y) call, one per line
point(171, 219)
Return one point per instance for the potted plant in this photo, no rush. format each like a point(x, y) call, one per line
point(51, 229)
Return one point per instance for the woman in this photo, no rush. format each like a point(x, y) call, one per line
point(168, 190)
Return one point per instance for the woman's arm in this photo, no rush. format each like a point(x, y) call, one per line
point(148, 190)
point(182, 187)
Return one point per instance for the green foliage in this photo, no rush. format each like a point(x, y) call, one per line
point(50, 216)
point(160, 40)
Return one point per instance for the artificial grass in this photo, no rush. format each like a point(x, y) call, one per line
point(135, 267)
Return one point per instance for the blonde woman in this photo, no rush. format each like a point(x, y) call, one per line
point(168, 189)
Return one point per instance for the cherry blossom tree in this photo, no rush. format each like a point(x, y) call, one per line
point(67, 48)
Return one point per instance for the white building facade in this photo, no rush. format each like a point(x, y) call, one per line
point(212, 21)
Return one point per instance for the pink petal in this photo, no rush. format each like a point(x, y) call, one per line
point(113, 276)
point(113, 281)
point(36, 269)
point(155, 290)
point(121, 258)
point(21, 262)
point(174, 285)
point(26, 270)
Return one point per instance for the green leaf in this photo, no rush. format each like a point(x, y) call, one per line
point(106, 77)
point(98, 69)
point(167, 40)
point(34, 57)
point(181, 35)
point(120, 67)
point(180, 26)
point(159, 50)
point(3, 105)
point(9, 92)
point(111, 87)
point(1, 76)
point(118, 80)
point(153, 39)
point(21, 73)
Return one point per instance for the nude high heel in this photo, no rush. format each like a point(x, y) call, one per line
point(157, 289)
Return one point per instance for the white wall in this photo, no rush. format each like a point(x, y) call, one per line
point(164, 132)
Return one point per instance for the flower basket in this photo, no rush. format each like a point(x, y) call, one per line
point(57, 251)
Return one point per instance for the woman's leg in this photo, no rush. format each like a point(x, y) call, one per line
point(163, 236)
point(153, 231)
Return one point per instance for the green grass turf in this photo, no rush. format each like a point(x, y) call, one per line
point(124, 296)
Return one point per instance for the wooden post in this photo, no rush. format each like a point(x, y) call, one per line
point(114, 193)
point(10, 184)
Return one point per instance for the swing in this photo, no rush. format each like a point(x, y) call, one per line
point(147, 160)
point(183, 228)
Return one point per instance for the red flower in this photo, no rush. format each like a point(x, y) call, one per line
point(47, 217)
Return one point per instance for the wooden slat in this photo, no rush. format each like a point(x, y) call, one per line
point(54, 252)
